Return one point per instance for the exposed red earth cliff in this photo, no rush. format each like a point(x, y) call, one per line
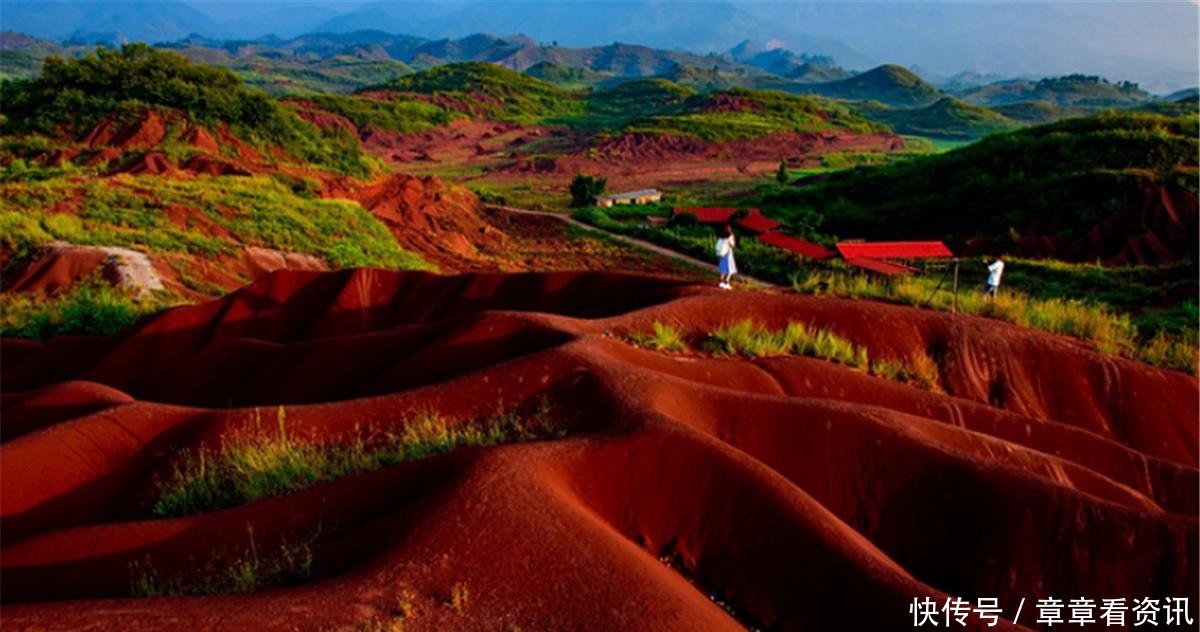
point(690, 492)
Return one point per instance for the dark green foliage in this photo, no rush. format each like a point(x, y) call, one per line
point(585, 187)
point(77, 94)
point(781, 176)
point(1079, 170)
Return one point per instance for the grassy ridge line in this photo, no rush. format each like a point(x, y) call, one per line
point(657, 106)
point(750, 339)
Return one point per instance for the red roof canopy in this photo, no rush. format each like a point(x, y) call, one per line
point(799, 246)
point(894, 250)
point(882, 267)
point(710, 214)
point(755, 221)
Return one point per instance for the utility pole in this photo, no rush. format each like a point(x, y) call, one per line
point(954, 306)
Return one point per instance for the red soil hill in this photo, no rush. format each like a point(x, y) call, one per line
point(691, 492)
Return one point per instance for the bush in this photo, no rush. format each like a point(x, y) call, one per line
point(663, 338)
point(918, 370)
point(584, 188)
point(746, 338)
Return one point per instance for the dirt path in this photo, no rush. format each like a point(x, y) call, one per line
point(632, 241)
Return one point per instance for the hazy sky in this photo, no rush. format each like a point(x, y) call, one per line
point(1154, 43)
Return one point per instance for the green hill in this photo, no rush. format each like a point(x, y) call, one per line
point(489, 90)
point(72, 96)
point(566, 76)
point(1032, 112)
point(1080, 91)
point(889, 84)
point(948, 118)
point(1078, 171)
point(748, 114)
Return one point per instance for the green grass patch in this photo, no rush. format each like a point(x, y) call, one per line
point(91, 307)
point(240, 571)
point(271, 463)
point(747, 338)
point(917, 370)
point(660, 338)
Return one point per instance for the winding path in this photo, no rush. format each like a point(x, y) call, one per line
point(631, 241)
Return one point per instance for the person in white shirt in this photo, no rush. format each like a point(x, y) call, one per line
point(725, 263)
point(995, 271)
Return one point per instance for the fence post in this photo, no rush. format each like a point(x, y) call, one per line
point(954, 306)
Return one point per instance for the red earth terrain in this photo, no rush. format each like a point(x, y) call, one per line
point(688, 492)
point(447, 225)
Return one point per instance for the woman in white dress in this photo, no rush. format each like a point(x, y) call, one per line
point(725, 263)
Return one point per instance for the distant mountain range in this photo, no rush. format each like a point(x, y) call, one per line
point(1152, 43)
point(890, 94)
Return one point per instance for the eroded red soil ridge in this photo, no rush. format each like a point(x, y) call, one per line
point(690, 492)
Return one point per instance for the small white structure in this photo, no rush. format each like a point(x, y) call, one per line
point(644, 196)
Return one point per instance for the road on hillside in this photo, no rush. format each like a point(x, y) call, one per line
point(629, 241)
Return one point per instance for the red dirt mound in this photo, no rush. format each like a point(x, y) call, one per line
point(209, 166)
point(60, 267)
point(440, 222)
point(152, 163)
point(312, 113)
point(147, 131)
point(199, 138)
point(688, 492)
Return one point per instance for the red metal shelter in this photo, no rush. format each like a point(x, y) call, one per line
point(894, 250)
point(754, 221)
point(798, 246)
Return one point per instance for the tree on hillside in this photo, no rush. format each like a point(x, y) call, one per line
point(585, 187)
point(781, 176)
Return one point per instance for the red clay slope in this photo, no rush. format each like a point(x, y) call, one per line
point(690, 493)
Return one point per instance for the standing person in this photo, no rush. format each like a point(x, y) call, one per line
point(725, 263)
point(995, 271)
